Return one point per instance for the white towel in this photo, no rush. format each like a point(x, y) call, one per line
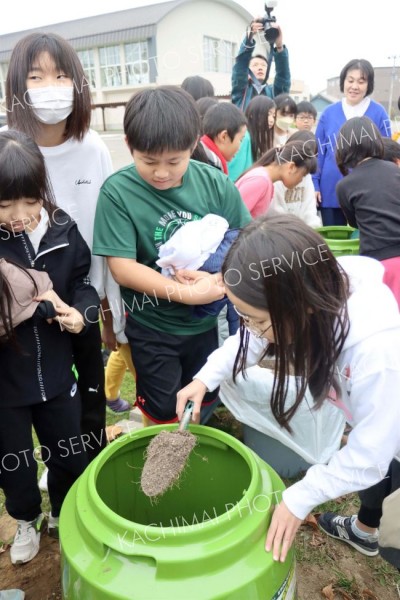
point(192, 244)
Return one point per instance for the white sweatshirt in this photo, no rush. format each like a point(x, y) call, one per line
point(369, 374)
point(77, 171)
point(299, 201)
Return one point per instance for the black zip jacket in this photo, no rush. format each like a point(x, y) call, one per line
point(40, 368)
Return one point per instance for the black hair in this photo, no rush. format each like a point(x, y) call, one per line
point(306, 107)
point(281, 265)
point(259, 56)
point(221, 117)
point(160, 119)
point(285, 104)
point(358, 139)
point(391, 150)
point(261, 135)
point(198, 87)
point(22, 170)
point(366, 69)
point(300, 150)
point(203, 104)
point(19, 111)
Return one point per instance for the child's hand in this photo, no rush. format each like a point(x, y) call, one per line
point(70, 319)
point(55, 299)
point(281, 532)
point(187, 276)
point(203, 287)
point(195, 391)
point(208, 289)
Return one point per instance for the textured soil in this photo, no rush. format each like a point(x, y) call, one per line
point(40, 579)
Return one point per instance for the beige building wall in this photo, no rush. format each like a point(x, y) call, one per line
point(180, 37)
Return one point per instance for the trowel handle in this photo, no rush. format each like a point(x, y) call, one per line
point(187, 415)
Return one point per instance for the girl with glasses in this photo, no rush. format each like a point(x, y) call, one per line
point(337, 326)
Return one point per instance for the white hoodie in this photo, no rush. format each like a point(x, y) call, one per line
point(369, 374)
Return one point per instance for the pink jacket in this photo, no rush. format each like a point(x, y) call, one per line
point(257, 190)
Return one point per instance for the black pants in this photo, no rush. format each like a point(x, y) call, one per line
point(370, 512)
point(89, 364)
point(57, 425)
point(164, 364)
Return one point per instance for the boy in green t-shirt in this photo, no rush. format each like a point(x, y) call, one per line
point(139, 209)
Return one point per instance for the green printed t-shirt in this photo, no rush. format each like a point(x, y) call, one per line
point(133, 220)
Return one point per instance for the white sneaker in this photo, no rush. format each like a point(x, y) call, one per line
point(26, 541)
point(52, 526)
point(43, 481)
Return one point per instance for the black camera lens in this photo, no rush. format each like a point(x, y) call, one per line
point(271, 34)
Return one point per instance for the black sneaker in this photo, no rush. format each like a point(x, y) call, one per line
point(339, 528)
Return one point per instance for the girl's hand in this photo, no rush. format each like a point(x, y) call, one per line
point(55, 299)
point(70, 319)
point(281, 532)
point(195, 391)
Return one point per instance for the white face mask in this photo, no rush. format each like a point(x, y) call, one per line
point(52, 104)
point(284, 123)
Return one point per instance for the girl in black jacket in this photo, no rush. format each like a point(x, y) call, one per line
point(38, 387)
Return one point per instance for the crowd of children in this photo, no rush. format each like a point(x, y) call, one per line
point(80, 244)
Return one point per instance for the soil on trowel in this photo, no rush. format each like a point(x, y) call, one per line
point(166, 457)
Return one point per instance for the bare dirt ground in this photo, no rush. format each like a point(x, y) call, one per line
point(322, 564)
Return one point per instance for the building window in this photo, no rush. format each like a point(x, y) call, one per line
point(137, 63)
point(219, 55)
point(87, 60)
point(110, 66)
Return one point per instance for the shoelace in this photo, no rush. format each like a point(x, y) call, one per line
point(22, 535)
point(340, 521)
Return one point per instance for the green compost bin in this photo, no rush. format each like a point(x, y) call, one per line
point(341, 239)
point(202, 540)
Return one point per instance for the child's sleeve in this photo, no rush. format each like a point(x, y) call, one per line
point(220, 363)
point(84, 297)
point(114, 233)
point(232, 207)
point(371, 446)
point(256, 192)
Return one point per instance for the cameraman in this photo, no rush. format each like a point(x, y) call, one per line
point(249, 75)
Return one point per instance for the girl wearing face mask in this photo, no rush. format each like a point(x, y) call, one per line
point(356, 84)
point(48, 99)
point(286, 110)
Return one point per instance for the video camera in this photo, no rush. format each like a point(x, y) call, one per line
point(270, 33)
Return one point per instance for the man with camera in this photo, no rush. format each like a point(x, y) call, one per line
point(250, 73)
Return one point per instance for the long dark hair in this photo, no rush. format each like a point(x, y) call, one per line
point(301, 150)
point(281, 265)
point(6, 302)
point(261, 135)
point(22, 170)
point(19, 112)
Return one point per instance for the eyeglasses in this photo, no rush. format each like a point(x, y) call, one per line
point(252, 326)
point(305, 118)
